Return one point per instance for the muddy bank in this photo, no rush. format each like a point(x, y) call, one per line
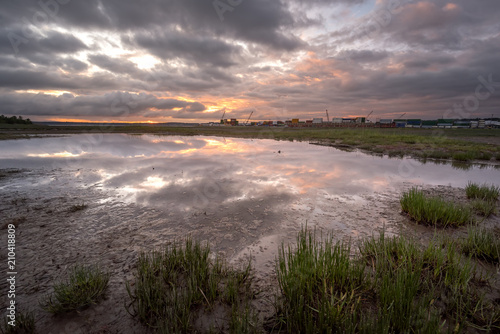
point(51, 236)
point(112, 232)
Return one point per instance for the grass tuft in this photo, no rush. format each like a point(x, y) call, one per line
point(24, 324)
point(484, 156)
point(86, 285)
point(464, 156)
point(394, 285)
point(434, 210)
point(177, 285)
point(438, 155)
point(483, 244)
point(484, 208)
point(321, 288)
point(484, 192)
point(243, 319)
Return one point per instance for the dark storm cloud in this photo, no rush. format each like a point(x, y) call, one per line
point(115, 104)
point(73, 65)
point(10, 62)
point(172, 45)
point(439, 23)
point(43, 80)
point(56, 42)
point(259, 21)
point(15, 41)
point(363, 56)
point(426, 61)
point(328, 2)
point(116, 65)
point(185, 81)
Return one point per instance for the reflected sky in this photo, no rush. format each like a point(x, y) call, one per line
point(186, 173)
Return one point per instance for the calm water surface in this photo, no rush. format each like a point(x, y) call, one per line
point(231, 191)
point(150, 167)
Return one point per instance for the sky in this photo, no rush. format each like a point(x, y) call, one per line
point(195, 60)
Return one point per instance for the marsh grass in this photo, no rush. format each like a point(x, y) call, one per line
point(243, 319)
point(437, 155)
point(321, 288)
point(434, 210)
point(484, 208)
point(85, 285)
point(394, 285)
point(464, 156)
point(378, 150)
point(24, 324)
point(175, 286)
point(484, 156)
point(396, 153)
point(461, 165)
point(484, 192)
point(482, 243)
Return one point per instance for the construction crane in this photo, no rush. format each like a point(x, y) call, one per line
point(327, 116)
point(401, 116)
point(222, 118)
point(371, 112)
point(249, 117)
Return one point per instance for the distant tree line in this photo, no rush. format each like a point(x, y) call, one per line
point(14, 120)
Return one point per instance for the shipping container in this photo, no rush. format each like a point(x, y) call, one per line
point(445, 125)
point(414, 122)
point(461, 124)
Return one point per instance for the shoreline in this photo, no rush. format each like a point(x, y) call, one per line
point(450, 145)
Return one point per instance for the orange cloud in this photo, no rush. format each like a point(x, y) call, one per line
point(450, 7)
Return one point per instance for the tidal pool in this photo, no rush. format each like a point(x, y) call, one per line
point(282, 184)
point(242, 196)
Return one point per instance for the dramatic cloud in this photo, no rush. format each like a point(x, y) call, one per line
point(111, 105)
point(191, 60)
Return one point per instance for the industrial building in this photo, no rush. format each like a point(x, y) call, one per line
point(379, 123)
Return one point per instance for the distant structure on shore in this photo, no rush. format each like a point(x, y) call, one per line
point(379, 123)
